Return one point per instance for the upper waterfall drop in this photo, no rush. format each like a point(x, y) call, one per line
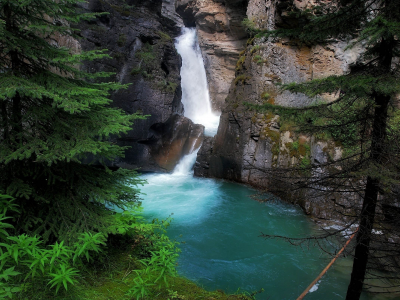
point(195, 95)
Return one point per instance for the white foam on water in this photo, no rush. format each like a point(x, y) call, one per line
point(195, 95)
point(346, 232)
point(191, 200)
point(314, 287)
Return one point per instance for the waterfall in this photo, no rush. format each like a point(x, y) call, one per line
point(195, 95)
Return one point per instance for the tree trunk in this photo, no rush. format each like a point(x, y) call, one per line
point(16, 119)
point(369, 205)
point(367, 215)
point(4, 117)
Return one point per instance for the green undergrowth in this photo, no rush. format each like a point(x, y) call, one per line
point(113, 278)
point(138, 261)
point(114, 281)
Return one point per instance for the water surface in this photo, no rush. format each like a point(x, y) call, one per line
point(220, 226)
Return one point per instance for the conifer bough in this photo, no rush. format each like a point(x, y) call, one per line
point(52, 116)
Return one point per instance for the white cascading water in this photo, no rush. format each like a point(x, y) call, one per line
point(173, 190)
point(185, 165)
point(195, 95)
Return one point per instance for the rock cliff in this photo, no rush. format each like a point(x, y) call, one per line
point(248, 142)
point(139, 39)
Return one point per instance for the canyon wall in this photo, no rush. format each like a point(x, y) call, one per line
point(248, 142)
point(139, 38)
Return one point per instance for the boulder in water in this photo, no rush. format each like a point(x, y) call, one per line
point(171, 140)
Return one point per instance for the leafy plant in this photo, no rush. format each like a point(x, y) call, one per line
point(23, 257)
point(141, 286)
point(63, 276)
point(160, 265)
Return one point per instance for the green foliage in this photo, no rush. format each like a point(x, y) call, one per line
point(53, 117)
point(174, 295)
point(124, 9)
point(249, 295)
point(255, 49)
point(250, 26)
point(136, 71)
point(25, 260)
point(159, 266)
point(142, 285)
point(23, 257)
point(258, 59)
point(147, 60)
point(164, 36)
point(337, 120)
point(265, 96)
point(305, 163)
point(146, 53)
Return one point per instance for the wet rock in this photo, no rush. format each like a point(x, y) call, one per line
point(202, 165)
point(170, 141)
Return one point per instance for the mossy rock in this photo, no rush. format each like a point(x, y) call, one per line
point(242, 79)
point(124, 9)
point(165, 37)
point(240, 63)
point(167, 86)
point(255, 49)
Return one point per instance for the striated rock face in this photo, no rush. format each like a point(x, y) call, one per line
point(221, 38)
point(248, 142)
point(140, 41)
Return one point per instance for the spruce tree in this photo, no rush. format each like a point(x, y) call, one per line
point(363, 117)
point(53, 115)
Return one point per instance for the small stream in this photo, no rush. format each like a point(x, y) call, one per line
point(219, 224)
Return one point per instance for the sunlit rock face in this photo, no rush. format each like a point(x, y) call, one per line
point(221, 38)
